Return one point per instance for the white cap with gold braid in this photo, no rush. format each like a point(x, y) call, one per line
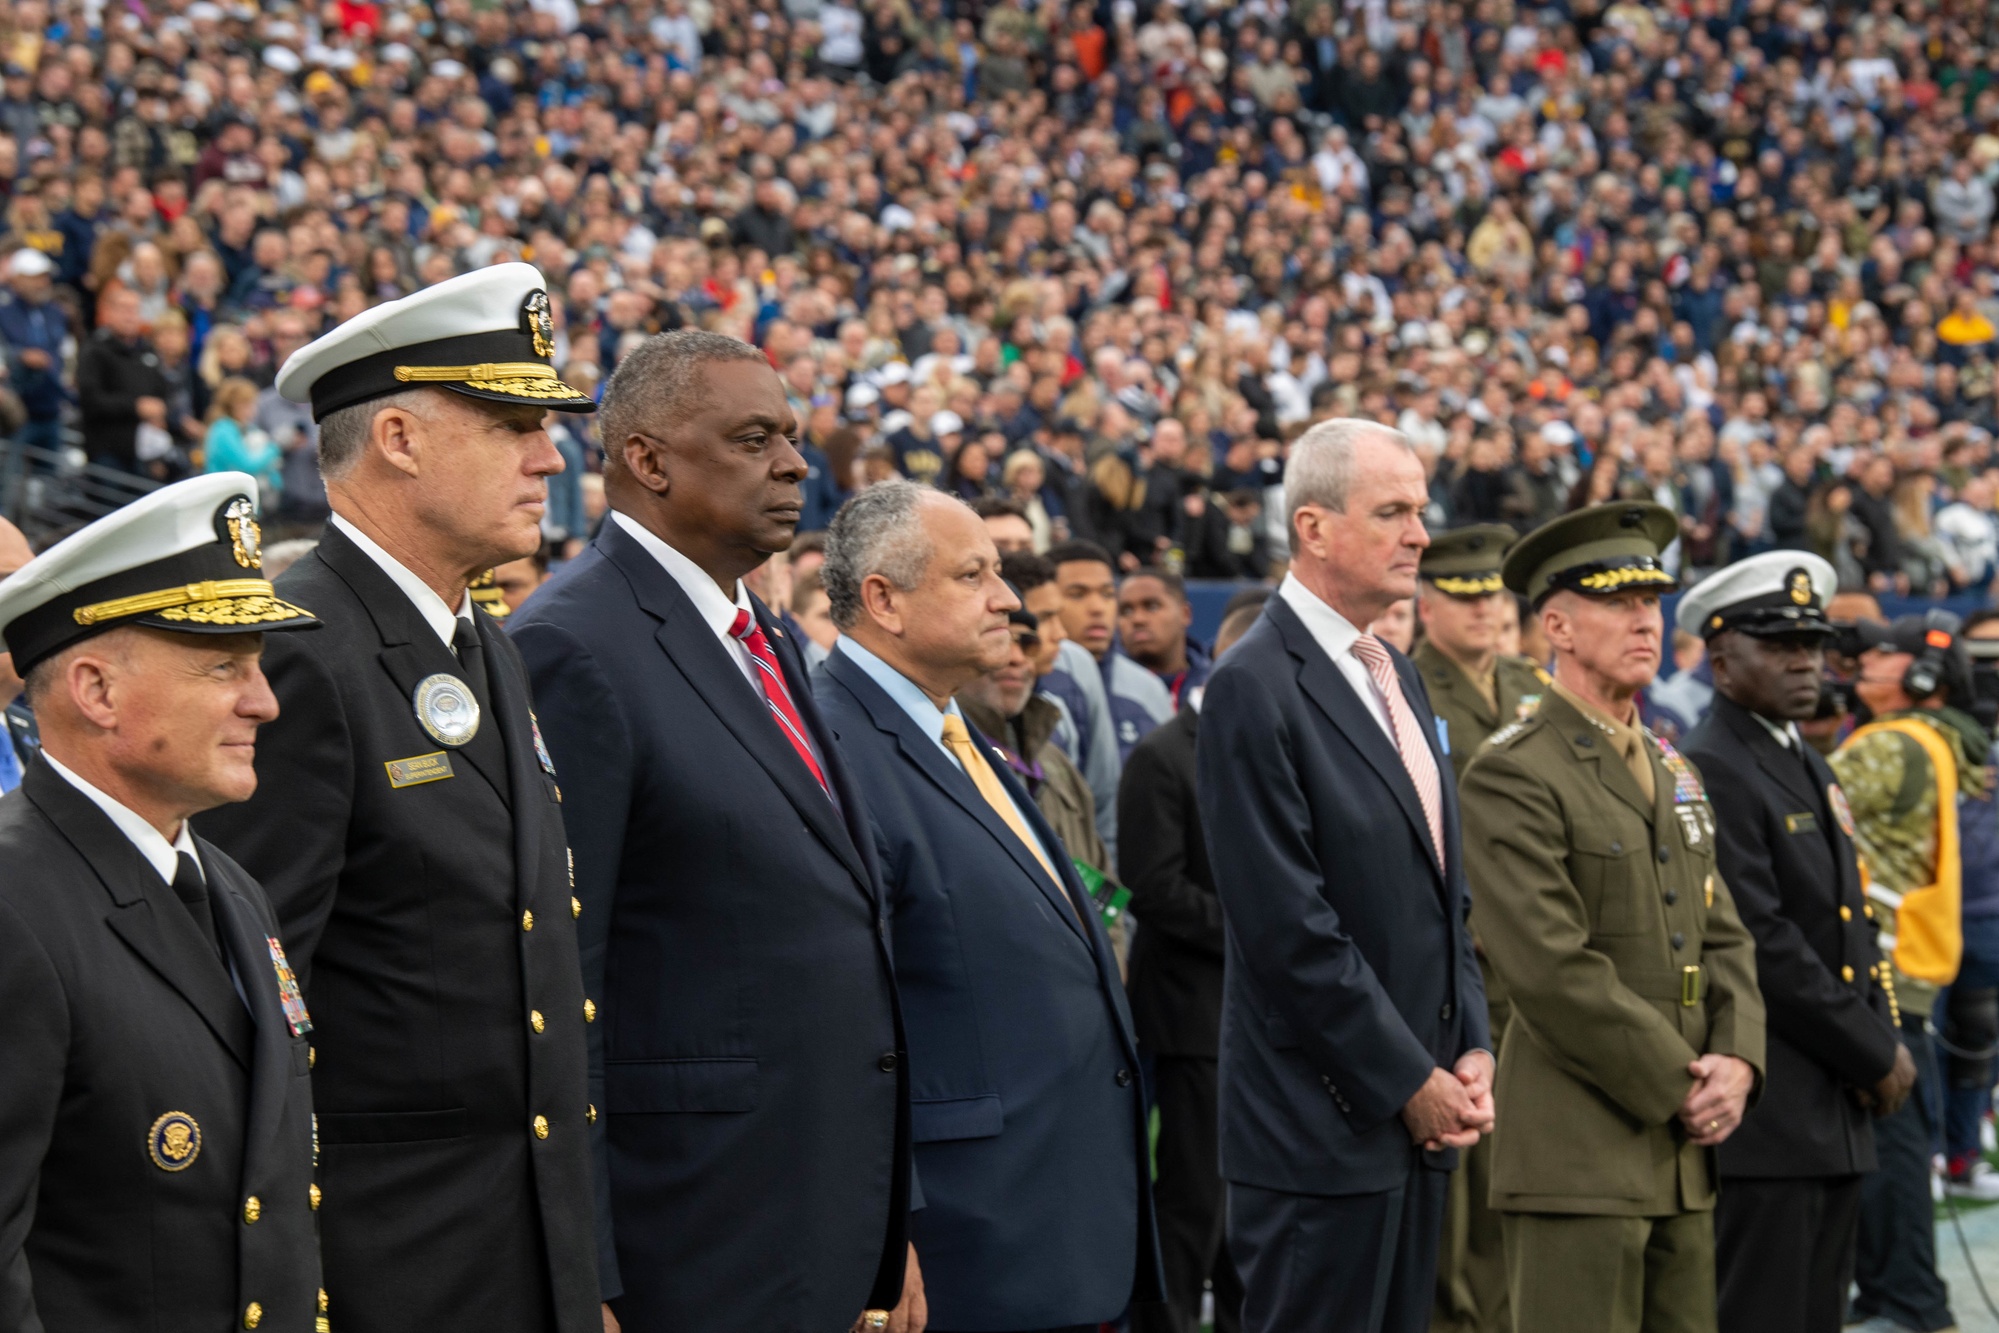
point(186, 558)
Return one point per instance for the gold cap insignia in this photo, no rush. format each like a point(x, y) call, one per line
point(540, 323)
point(246, 539)
point(1799, 585)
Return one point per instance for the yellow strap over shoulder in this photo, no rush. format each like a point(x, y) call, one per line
point(1929, 923)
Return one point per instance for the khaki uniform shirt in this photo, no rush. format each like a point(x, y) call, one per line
point(1623, 956)
point(1468, 715)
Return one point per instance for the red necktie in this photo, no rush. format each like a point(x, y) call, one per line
point(1409, 742)
point(775, 694)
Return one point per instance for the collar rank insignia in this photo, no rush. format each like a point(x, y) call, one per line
point(288, 994)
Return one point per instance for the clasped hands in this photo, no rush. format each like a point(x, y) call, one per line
point(1454, 1106)
point(1715, 1104)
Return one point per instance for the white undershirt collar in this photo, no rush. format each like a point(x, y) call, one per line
point(162, 855)
point(429, 605)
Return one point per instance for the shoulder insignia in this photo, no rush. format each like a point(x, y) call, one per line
point(1509, 733)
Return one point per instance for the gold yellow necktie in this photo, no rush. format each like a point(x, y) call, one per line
point(959, 742)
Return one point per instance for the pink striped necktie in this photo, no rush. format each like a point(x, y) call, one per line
point(751, 635)
point(1409, 740)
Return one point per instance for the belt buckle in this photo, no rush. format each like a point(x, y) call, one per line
point(1690, 985)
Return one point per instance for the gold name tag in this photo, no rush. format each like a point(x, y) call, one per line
point(1804, 823)
point(419, 769)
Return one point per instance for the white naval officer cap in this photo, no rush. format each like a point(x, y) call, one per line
point(186, 558)
point(1777, 592)
point(486, 334)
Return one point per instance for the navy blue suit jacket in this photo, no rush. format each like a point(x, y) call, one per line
point(1350, 973)
point(1025, 1100)
point(746, 1058)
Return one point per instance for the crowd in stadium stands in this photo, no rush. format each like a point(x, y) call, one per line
point(1104, 261)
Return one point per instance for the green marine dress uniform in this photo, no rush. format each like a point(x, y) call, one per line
point(1599, 907)
point(1596, 897)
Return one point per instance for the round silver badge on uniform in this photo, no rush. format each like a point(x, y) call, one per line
point(446, 708)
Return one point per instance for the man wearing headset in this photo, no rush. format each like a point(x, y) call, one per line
point(1902, 775)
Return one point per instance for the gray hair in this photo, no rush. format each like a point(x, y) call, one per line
point(654, 382)
point(343, 435)
point(1320, 468)
point(879, 531)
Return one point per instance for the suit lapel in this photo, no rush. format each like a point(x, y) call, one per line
point(1327, 686)
point(700, 657)
point(930, 760)
point(249, 944)
point(145, 914)
point(513, 728)
point(1780, 762)
point(411, 650)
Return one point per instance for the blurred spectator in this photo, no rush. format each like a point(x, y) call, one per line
point(33, 331)
point(1968, 533)
point(1153, 620)
point(518, 579)
point(232, 444)
point(119, 384)
point(1137, 700)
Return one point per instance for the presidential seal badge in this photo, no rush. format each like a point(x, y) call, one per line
point(288, 994)
point(246, 539)
point(540, 322)
point(174, 1141)
point(446, 709)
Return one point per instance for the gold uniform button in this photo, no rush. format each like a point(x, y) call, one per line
point(527, 920)
point(589, 1010)
point(541, 1126)
point(253, 1208)
point(1846, 973)
point(535, 1020)
point(575, 906)
point(312, 1192)
point(1845, 913)
point(253, 1314)
point(1867, 909)
point(590, 1114)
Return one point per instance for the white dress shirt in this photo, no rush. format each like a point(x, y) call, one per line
point(1784, 735)
point(162, 855)
point(429, 605)
point(716, 608)
point(1335, 634)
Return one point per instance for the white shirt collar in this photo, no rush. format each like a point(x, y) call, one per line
point(716, 608)
point(1335, 633)
point(1785, 735)
point(162, 855)
point(429, 605)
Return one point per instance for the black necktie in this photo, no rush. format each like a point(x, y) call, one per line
point(192, 890)
point(472, 656)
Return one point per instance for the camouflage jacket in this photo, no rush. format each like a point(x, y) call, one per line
point(1891, 789)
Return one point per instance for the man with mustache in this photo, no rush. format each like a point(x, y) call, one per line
point(408, 828)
